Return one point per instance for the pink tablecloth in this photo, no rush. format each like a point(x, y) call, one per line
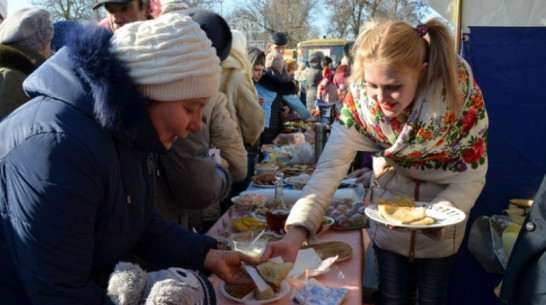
point(346, 274)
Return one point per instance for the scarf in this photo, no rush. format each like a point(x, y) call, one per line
point(434, 136)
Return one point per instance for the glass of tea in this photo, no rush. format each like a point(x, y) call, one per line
point(276, 219)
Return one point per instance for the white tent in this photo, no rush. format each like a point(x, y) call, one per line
point(491, 12)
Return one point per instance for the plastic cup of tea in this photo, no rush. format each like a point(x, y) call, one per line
point(244, 242)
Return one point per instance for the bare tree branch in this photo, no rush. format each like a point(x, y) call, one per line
point(76, 10)
point(348, 15)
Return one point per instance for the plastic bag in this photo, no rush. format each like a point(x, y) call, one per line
point(485, 242)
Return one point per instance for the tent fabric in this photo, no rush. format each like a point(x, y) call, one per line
point(510, 67)
point(493, 12)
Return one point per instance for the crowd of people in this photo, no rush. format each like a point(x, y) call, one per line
point(108, 130)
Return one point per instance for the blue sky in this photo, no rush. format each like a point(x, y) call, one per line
point(14, 5)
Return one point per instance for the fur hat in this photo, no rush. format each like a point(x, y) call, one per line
point(61, 30)
point(279, 38)
point(27, 27)
point(274, 60)
point(170, 58)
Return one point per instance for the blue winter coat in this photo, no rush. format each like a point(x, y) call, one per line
point(77, 169)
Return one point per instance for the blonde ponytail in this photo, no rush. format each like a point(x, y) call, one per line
point(442, 61)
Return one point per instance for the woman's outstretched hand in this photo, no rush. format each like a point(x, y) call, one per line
point(287, 248)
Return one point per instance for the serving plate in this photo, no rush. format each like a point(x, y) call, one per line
point(443, 216)
point(265, 186)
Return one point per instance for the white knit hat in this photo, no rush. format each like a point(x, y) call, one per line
point(169, 57)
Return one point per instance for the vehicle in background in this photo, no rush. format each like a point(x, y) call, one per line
point(289, 53)
point(331, 47)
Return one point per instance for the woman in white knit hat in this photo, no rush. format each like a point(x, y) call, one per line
point(25, 38)
point(81, 155)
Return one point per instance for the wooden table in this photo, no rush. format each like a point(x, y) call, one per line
point(346, 274)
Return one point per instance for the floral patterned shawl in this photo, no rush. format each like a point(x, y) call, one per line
point(434, 137)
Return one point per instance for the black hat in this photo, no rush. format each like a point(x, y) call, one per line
point(279, 38)
point(103, 2)
point(215, 26)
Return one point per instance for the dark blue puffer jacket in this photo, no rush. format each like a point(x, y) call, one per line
point(77, 170)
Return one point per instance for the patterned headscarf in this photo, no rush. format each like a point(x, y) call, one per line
point(433, 137)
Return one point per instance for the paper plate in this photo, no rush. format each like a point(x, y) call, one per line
point(249, 299)
point(443, 216)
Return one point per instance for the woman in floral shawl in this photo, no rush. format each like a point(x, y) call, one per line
point(414, 104)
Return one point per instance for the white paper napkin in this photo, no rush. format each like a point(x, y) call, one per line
point(258, 280)
point(310, 260)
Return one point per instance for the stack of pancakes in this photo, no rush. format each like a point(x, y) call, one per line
point(402, 211)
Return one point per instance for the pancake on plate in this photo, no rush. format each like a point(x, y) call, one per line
point(403, 211)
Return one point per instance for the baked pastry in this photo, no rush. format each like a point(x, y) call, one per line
point(274, 273)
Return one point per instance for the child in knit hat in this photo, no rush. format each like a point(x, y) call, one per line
point(81, 157)
point(25, 38)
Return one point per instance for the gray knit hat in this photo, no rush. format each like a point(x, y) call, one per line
point(170, 58)
point(27, 27)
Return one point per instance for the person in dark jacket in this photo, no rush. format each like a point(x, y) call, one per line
point(78, 162)
point(313, 76)
point(524, 281)
point(278, 111)
point(25, 38)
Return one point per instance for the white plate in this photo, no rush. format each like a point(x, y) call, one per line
point(257, 199)
point(290, 184)
point(443, 216)
point(263, 185)
point(249, 299)
point(259, 213)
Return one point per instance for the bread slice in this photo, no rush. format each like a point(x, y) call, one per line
point(401, 215)
point(274, 273)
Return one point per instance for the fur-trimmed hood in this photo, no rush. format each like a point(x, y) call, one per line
point(88, 76)
point(19, 58)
